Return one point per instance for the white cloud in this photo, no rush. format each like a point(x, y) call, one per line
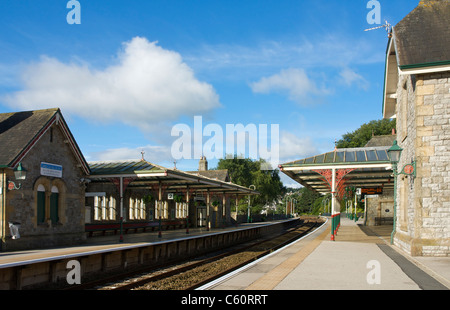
point(293, 147)
point(147, 84)
point(350, 77)
point(293, 82)
point(153, 154)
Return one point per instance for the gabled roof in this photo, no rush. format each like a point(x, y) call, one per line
point(419, 45)
point(20, 131)
point(221, 175)
point(384, 140)
point(421, 38)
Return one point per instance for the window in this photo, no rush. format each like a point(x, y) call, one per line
point(50, 202)
point(97, 210)
point(112, 208)
point(181, 210)
point(137, 209)
point(104, 208)
point(54, 205)
point(41, 204)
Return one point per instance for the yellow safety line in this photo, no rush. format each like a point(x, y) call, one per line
point(271, 279)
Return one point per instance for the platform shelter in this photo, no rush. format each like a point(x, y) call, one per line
point(342, 173)
point(151, 196)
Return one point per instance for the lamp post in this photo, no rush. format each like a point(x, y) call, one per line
point(249, 215)
point(394, 156)
point(287, 200)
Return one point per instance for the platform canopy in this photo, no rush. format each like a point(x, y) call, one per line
point(142, 174)
point(366, 168)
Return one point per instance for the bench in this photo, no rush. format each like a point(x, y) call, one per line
point(384, 221)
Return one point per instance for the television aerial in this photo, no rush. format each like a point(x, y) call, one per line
point(386, 25)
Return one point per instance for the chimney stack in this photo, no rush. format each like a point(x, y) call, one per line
point(203, 164)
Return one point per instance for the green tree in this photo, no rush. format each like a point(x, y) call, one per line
point(304, 199)
point(363, 134)
point(246, 172)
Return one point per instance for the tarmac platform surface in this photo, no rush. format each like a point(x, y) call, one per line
point(361, 258)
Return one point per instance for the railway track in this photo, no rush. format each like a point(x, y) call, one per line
point(195, 273)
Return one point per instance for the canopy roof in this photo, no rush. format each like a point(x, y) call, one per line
point(367, 167)
point(345, 156)
point(143, 174)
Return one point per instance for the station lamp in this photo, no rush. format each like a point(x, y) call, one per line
point(394, 153)
point(20, 173)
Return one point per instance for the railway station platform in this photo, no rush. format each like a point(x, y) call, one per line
point(111, 243)
point(360, 258)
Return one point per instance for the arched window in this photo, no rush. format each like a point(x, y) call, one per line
point(41, 204)
point(54, 205)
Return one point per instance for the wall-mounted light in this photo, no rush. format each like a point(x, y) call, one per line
point(394, 153)
point(394, 156)
point(20, 173)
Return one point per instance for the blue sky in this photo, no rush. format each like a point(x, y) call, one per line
point(133, 69)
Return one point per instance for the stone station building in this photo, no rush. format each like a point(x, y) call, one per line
point(43, 207)
point(417, 93)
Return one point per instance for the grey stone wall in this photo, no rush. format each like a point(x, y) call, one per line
point(423, 125)
point(21, 205)
point(380, 208)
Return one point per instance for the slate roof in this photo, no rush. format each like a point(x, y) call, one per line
point(384, 140)
point(422, 37)
point(221, 175)
point(19, 132)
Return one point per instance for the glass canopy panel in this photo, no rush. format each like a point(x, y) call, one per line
point(350, 156)
point(309, 160)
point(371, 156)
point(340, 157)
point(320, 159)
point(361, 156)
point(382, 155)
point(329, 157)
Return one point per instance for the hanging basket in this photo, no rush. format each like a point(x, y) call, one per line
point(148, 198)
point(178, 198)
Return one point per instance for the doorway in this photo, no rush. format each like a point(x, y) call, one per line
point(201, 216)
